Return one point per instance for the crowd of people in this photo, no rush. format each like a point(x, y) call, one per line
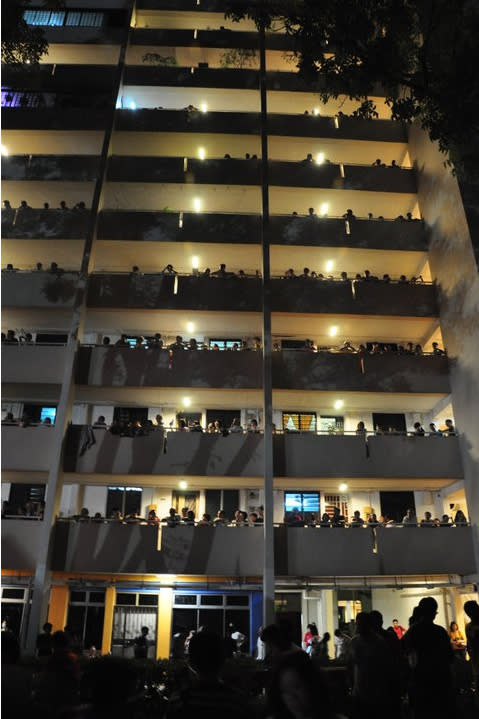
point(334, 519)
point(422, 672)
point(23, 215)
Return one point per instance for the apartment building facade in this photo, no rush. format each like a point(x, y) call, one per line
point(144, 121)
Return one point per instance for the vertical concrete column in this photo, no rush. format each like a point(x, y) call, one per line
point(58, 608)
point(110, 600)
point(327, 621)
point(165, 621)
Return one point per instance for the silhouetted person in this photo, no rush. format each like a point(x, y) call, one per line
point(44, 641)
point(372, 667)
point(109, 684)
point(141, 644)
point(430, 656)
point(16, 679)
point(207, 695)
point(471, 608)
point(296, 690)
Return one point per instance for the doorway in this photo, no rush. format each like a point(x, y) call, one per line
point(389, 422)
point(191, 500)
point(127, 624)
point(395, 504)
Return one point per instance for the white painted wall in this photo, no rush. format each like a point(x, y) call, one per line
point(80, 413)
point(5, 491)
point(399, 604)
point(95, 499)
point(68, 501)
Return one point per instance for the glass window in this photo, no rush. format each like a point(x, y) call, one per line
point(303, 501)
point(78, 597)
point(148, 600)
point(185, 599)
point(126, 598)
point(299, 421)
point(237, 601)
point(97, 598)
point(225, 344)
point(211, 600)
point(331, 424)
point(13, 593)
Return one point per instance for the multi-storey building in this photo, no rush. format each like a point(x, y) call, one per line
point(150, 116)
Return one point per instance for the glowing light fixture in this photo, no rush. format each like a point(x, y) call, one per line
point(4, 151)
point(182, 484)
point(316, 111)
point(336, 122)
point(195, 262)
point(118, 103)
point(195, 35)
point(132, 105)
point(339, 404)
point(197, 204)
point(204, 107)
point(333, 331)
point(323, 209)
point(186, 401)
point(343, 487)
point(320, 158)
point(190, 326)
point(329, 265)
point(201, 153)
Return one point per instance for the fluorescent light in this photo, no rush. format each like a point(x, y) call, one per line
point(339, 404)
point(316, 111)
point(333, 331)
point(186, 401)
point(195, 262)
point(329, 265)
point(336, 122)
point(190, 326)
point(182, 484)
point(343, 487)
point(4, 151)
point(132, 105)
point(195, 35)
point(197, 204)
point(204, 107)
point(201, 153)
point(323, 209)
point(320, 158)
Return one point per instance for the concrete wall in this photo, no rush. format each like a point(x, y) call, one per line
point(452, 262)
point(27, 448)
point(18, 361)
point(38, 289)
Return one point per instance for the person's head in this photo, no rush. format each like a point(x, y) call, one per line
point(152, 514)
point(395, 622)
point(190, 515)
point(364, 624)
point(206, 654)
point(252, 518)
point(310, 210)
point(428, 608)
point(453, 627)
point(417, 425)
point(313, 629)
point(84, 512)
point(361, 425)
point(47, 628)
point(144, 631)
point(357, 514)
point(471, 608)
point(254, 423)
point(435, 345)
point(277, 640)
point(295, 687)
point(427, 516)
point(184, 512)
point(206, 517)
point(449, 423)
point(39, 266)
point(376, 619)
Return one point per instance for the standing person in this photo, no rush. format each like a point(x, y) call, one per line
point(371, 667)
point(321, 650)
point(141, 644)
point(44, 641)
point(458, 641)
point(398, 630)
point(260, 647)
point(311, 637)
point(430, 656)
point(471, 608)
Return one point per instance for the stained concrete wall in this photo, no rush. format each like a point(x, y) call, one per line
point(452, 262)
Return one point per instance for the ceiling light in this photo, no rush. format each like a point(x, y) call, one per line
point(182, 484)
point(329, 265)
point(333, 331)
point(195, 262)
point(4, 151)
point(316, 111)
point(204, 107)
point(343, 487)
point(190, 326)
point(339, 404)
point(201, 153)
point(320, 158)
point(132, 105)
point(323, 209)
point(186, 401)
point(197, 204)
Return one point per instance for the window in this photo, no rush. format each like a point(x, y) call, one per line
point(336, 500)
point(305, 502)
point(224, 344)
point(299, 421)
point(58, 18)
point(125, 499)
point(217, 612)
point(86, 612)
point(331, 424)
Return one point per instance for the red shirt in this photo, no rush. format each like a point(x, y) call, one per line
point(399, 631)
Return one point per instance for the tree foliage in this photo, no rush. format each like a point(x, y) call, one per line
point(421, 56)
point(22, 44)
